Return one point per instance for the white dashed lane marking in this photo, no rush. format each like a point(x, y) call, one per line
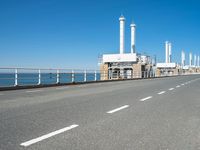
point(117, 109)
point(161, 92)
point(46, 136)
point(171, 89)
point(146, 98)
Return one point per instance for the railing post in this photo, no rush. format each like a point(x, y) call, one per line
point(95, 75)
point(104, 75)
point(57, 77)
point(39, 77)
point(72, 76)
point(85, 76)
point(16, 77)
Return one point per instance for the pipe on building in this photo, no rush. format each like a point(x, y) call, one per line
point(122, 34)
point(133, 27)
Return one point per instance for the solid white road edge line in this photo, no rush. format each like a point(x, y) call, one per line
point(33, 141)
point(146, 98)
point(32, 91)
point(117, 109)
point(62, 88)
point(161, 92)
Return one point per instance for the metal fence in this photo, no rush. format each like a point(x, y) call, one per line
point(10, 77)
point(32, 76)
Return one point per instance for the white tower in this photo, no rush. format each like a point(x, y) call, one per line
point(195, 60)
point(170, 52)
point(198, 61)
point(190, 59)
point(133, 27)
point(122, 34)
point(166, 52)
point(183, 58)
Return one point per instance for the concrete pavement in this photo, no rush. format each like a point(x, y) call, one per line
point(143, 114)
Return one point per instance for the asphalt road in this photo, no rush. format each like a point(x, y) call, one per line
point(152, 114)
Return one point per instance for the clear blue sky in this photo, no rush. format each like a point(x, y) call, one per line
point(72, 33)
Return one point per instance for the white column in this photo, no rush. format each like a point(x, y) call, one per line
point(122, 34)
point(166, 52)
point(183, 58)
point(195, 60)
point(190, 59)
point(170, 52)
point(133, 27)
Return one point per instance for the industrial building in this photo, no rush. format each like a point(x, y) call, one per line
point(168, 67)
point(172, 68)
point(125, 65)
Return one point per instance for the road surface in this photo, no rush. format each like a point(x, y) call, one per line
point(150, 114)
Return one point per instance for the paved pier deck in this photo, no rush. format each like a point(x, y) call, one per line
point(152, 114)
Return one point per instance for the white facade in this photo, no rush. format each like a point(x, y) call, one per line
point(133, 27)
point(186, 67)
point(122, 35)
point(166, 65)
point(119, 58)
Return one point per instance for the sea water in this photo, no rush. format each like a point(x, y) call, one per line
point(8, 79)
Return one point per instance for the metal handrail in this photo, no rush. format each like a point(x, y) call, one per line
point(37, 76)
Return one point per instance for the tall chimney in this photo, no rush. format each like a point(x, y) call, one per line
point(170, 52)
point(195, 60)
point(133, 27)
point(166, 52)
point(190, 59)
point(122, 34)
point(183, 58)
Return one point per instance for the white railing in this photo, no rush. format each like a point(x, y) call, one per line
point(36, 76)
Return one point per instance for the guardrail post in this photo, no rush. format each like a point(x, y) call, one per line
point(39, 77)
point(104, 75)
point(85, 76)
point(72, 76)
point(95, 75)
point(16, 77)
point(57, 77)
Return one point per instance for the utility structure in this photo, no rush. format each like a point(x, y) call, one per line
point(168, 52)
point(124, 65)
point(190, 59)
point(195, 60)
point(168, 67)
point(122, 34)
point(182, 58)
point(133, 27)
